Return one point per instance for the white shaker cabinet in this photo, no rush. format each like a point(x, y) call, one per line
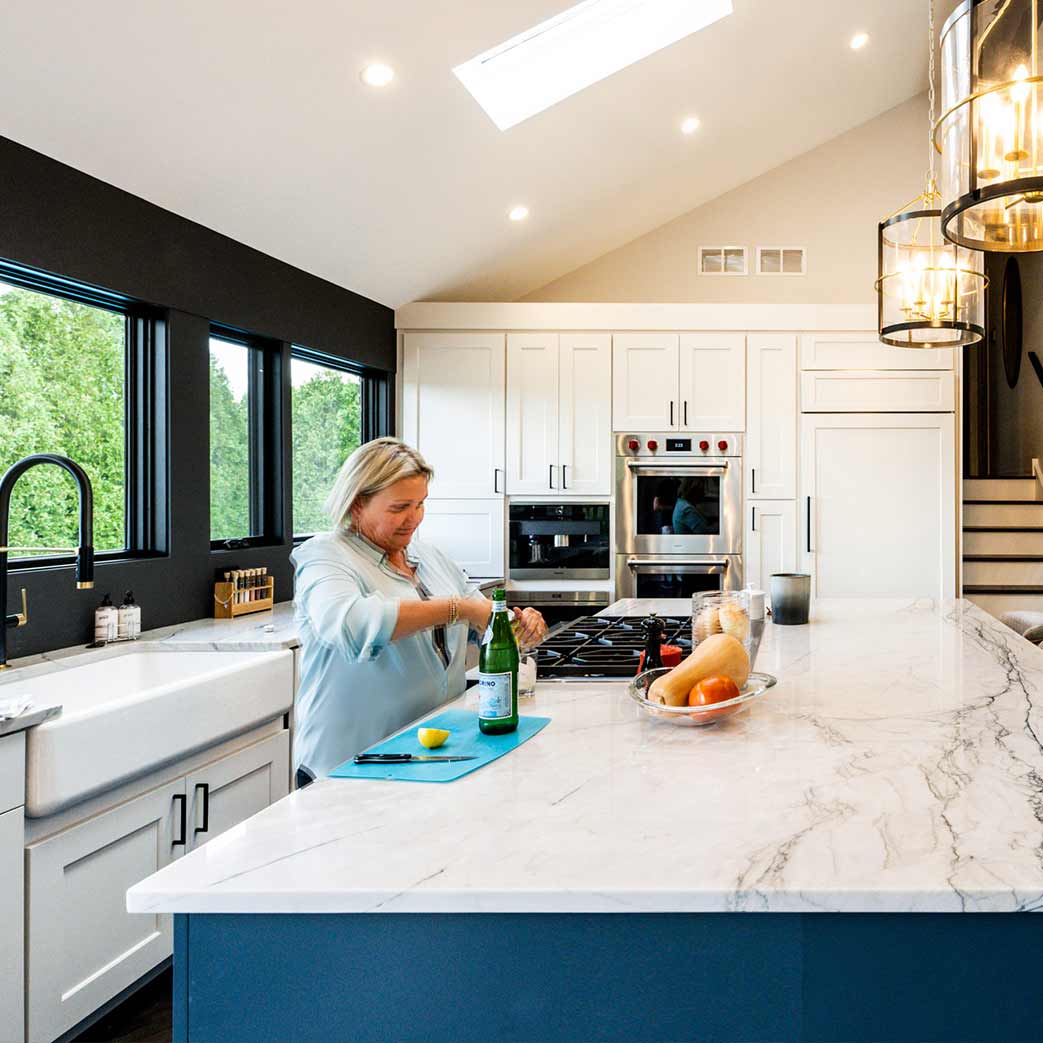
point(471, 532)
point(84, 947)
point(230, 790)
point(771, 541)
point(644, 381)
point(453, 409)
point(878, 505)
point(847, 351)
point(533, 461)
point(771, 433)
point(12, 887)
point(585, 414)
point(711, 392)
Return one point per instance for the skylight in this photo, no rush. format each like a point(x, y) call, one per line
point(565, 54)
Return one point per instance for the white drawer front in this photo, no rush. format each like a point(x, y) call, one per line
point(894, 391)
point(864, 351)
point(12, 771)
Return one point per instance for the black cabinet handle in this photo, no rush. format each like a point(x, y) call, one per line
point(753, 520)
point(686, 412)
point(184, 819)
point(809, 524)
point(496, 480)
point(754, 472)
point(564, 485)
point(205, 787)
point(671, 412)
point(550, 479)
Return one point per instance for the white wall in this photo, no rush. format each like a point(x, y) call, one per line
point(828, 200)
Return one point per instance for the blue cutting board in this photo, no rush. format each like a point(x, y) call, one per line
point(466, 739)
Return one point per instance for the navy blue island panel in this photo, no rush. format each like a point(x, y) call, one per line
point(595, 978)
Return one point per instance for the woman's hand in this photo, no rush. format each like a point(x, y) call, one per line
point(530, 627)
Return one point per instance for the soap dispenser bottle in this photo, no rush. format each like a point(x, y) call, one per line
point(129, 618)
point(106, 621)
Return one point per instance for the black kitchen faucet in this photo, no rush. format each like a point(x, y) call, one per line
point(84, 553)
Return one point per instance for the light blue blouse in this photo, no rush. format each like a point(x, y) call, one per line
point(356, 685)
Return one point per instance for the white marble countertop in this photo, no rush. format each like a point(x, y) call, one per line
point(897, 766)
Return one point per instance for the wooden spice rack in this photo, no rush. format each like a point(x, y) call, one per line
point(260, 599)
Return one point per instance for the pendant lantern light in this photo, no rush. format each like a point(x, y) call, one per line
point(930, 292)
point(990, 134)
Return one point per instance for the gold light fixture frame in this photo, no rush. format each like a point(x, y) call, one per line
point(991, 135)
point(930, 291)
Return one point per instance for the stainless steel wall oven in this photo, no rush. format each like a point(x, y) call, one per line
point(559, 541)
point(678, 513)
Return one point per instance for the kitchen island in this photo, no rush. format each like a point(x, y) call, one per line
point(803, 871)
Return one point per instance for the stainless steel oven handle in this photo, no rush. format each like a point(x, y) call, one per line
point(704, 567)
point(646, 465)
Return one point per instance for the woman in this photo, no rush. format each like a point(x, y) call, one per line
point(384, 619)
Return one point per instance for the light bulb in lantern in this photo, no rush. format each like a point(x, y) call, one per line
point(1020, 91)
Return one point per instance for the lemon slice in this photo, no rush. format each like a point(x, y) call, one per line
point(431, 738)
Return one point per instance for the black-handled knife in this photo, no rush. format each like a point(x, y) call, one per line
point(404, 758)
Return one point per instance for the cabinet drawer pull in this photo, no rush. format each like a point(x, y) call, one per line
point(183, 816)
point(205, 787)
point(754, 474)
point(809, 524)
point(753, 520)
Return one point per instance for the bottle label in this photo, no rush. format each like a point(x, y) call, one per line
point(494, 696)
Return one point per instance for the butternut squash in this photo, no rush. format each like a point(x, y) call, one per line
point(718, 656)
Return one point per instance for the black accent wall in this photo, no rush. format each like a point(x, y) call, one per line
point(58, 219)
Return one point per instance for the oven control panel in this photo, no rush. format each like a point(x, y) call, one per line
point(670, 445)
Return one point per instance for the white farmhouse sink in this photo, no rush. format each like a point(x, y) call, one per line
point(125, 715)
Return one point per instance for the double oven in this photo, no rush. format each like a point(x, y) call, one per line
point(678, 514)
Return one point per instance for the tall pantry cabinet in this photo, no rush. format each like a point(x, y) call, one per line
point(453, 412)
point(770, 460)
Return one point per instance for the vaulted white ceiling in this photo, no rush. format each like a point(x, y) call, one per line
point(249, 117)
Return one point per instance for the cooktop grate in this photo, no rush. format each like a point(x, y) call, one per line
point(604, 646)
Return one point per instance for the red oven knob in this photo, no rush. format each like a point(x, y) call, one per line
point(704, 445)
point(633, 445)
point(722, 445)
point(653, 444)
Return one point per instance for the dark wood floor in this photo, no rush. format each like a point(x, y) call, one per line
point(144, 1017)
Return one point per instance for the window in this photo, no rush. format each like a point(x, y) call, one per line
point(64, 389)
point(722, 260)
point(327, 428)
point(781, 260)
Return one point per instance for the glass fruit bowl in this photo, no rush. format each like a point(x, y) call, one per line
point(688, 716)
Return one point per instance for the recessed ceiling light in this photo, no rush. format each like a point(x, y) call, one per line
point(859, 40)
point(377, 74)
point(565, 54)
point(690, 125)
point(518, 213)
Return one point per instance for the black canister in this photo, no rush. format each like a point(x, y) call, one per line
point(790, 598)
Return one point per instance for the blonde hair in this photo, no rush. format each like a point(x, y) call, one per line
point(372, 467)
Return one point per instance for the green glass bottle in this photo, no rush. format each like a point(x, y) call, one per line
point(498, 672)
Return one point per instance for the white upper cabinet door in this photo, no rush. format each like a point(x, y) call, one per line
point(644, 382)
point(882, 391)
point(878, 510)
point(771, 541)
point(453, 409)
point(584, 417)
point(533, 465)
point(771, 397)
point(864, 351)
point(471, 532)
point(713, 382)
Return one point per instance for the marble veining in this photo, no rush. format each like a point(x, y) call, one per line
point(897, 766)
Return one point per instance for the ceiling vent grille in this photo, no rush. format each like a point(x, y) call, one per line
point(782, 260)
point(723, 260)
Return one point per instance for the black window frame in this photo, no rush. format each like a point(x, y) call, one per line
point(145, 421)
point(375, 402)
point(266, 444)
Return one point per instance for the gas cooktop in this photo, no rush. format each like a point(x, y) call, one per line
point(604, 647)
